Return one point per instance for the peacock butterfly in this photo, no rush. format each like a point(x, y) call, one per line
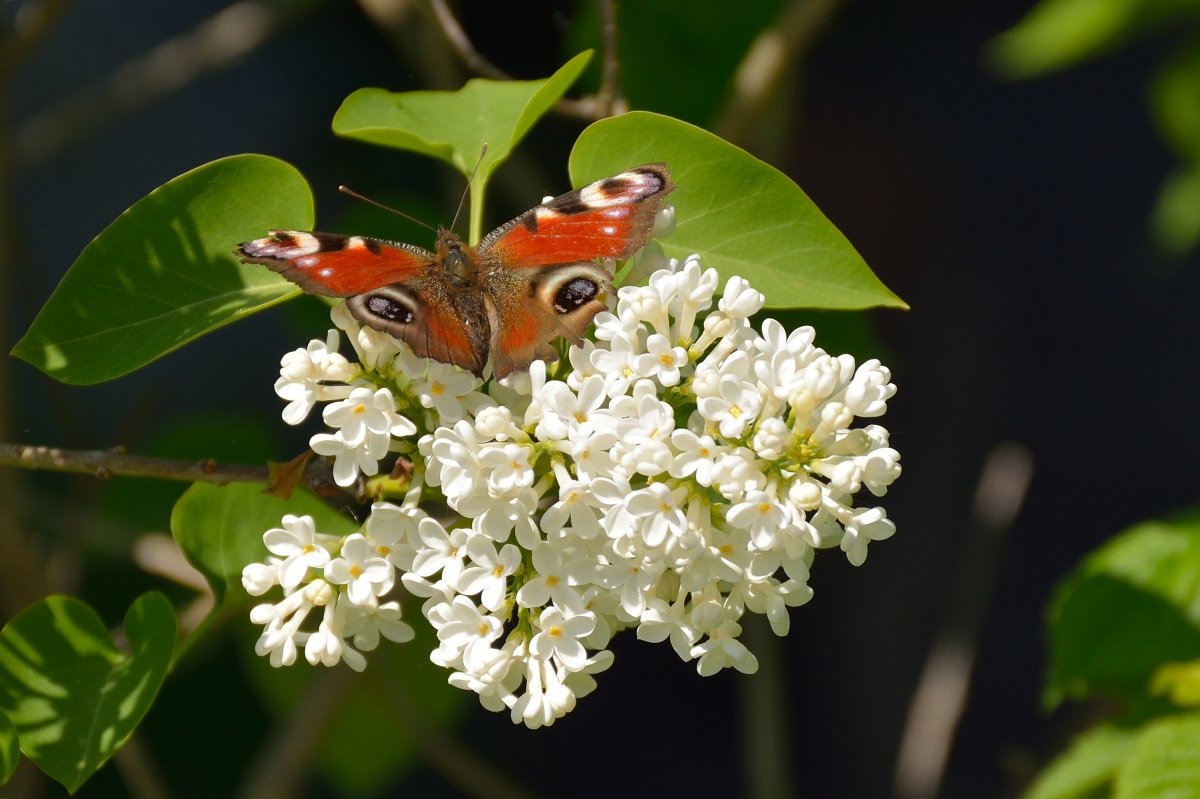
point(527, 282)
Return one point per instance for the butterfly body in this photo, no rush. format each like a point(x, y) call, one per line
point(527, 282)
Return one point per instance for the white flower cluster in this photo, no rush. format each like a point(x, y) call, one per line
point(670, 477)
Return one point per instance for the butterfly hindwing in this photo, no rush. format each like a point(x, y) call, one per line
point(532, 307)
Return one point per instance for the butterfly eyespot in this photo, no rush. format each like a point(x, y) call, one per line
point(390, 309)
point(574, 294)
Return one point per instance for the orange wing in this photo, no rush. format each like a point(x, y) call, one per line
point(610, 218)
point(334, 265)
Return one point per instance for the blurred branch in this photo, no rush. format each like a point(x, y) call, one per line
point(462, 43)
point(139, 772)
point(284, 768)
point(34, 23)
point(766, 717)
point(109, 462)
point(942, 689)
point(769, 58)
point(604, 103)
point(214, 44)
point(460, 766)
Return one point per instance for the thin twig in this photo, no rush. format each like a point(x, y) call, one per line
point(214, 44)
point(107, 463)
point(609, 97)
point(462, 43)
point(284, 768)
point(588, 109)
point(770, 56)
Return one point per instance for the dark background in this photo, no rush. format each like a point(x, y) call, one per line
point(1011, 216)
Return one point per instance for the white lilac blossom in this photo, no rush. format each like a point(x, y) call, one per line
point(679, 472)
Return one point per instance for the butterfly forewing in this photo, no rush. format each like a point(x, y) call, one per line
point(334, 265)
point(610, 218)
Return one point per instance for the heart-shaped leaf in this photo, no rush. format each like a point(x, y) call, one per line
point(743, 216)
point(73, 696)
point(454, 126)
point(164, 272)
point(220, 528)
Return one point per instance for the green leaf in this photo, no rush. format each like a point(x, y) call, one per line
point(10, 749)
point(741, 215)
point(72, 695)
point(454, 126)
point(164, 273)
point(1090, 764)
point(1133, 605)
point(1165, 763)
point(1175, 97)
point(1175, 219)
point(220, 528)
point(1061, 33)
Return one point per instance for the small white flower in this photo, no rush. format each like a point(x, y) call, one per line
point(348, 460)
point(367, 413)
point(658, 510)
point(735, 406)
point(365, 574)
point(489, 576)
point(441, 551)
point(722, 649)
point(444, 389)
point(559, 637)
point(696, 456)
point(553, 582)
point(508, 466)
point(301, 549)
point(661, 361)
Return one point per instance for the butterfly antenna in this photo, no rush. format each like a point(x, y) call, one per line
point(462, 199)
point(349, 192)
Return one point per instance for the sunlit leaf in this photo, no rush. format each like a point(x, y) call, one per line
point(1142, 586)
point(163, 273)
point(72, 695)
point(10, 749)
point(1057, 34)
point(1088, 765)
point(1165, 763)
point(743, 216)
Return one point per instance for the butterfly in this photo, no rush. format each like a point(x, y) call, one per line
point(525, 284)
